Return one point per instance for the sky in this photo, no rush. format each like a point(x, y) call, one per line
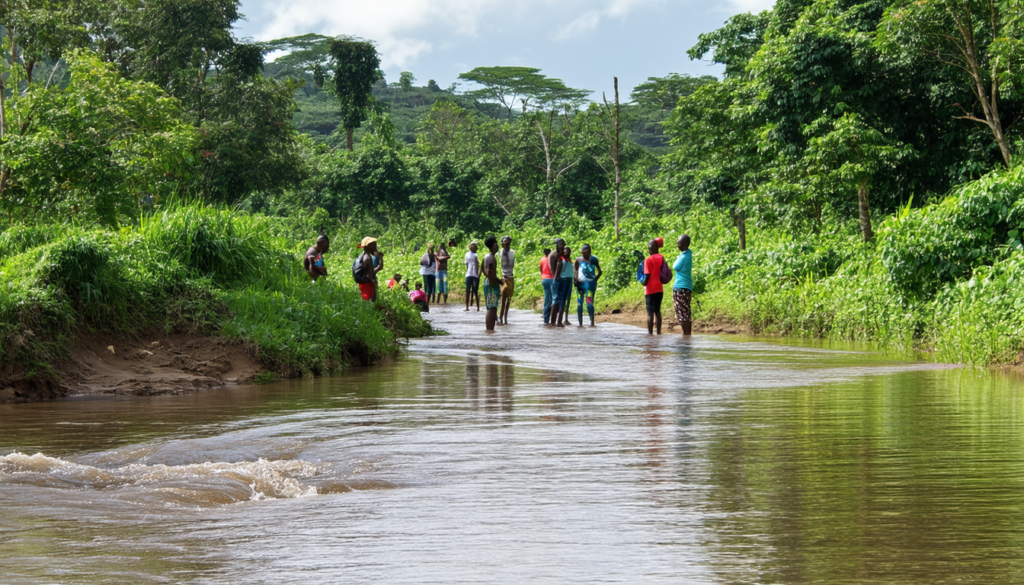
point(585, 43)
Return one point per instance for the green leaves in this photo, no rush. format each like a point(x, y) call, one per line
point(98, 145)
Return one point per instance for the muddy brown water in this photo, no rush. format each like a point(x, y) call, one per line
point(532, 455)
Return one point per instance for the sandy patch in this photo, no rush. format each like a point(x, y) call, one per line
point(141, 366)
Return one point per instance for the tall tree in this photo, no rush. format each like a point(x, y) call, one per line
point(964, 35)
point(506, 86)
point(356, 66)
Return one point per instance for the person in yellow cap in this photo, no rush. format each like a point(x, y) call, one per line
point(364, 271)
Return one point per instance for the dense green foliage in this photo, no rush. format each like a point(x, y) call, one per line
point(852, 175)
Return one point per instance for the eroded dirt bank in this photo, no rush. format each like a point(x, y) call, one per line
point(148, 365)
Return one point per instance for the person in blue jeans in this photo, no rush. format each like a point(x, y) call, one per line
point(588, 271)
point(546, 281)
point(564, 283)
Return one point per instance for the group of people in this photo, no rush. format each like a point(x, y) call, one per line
point(561, 274)
point(654, 274)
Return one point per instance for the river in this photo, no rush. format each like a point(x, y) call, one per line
point(533, 455)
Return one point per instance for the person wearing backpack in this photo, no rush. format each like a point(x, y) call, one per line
point(588, 271)
point(656, 275)
point(313, 262)
point(363, 270)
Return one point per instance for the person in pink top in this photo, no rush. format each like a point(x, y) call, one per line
point(419, 298)
point(545, 280)
point(654, 291)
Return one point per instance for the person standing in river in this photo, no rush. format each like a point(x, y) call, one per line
point(442, 272)
point(472, 276)
point(588, 271)
point(546, 281)
point(428, 270)
point(368, 289)
point(654, 290)
point(492, 284)
point(682, 288)
point(508, 263)
point(566, 281)
point(313, 262)
point(555, 267)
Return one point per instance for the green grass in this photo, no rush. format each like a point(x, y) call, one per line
point(190, 269)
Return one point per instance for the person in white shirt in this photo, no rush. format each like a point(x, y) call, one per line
point(472, 276)
point(508, 263)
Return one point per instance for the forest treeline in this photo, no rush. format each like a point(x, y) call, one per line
point(833, 121)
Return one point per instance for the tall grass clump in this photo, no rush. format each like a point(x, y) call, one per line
point(189, 269)
point(302, 328)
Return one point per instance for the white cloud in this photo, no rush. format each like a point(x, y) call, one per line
point(398, 26)
point(590, 19)
point(405, 30)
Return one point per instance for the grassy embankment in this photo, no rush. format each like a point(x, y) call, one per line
point(944, 277)
point(190, 270)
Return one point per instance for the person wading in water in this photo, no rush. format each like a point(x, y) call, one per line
point(566, 281)
point(442, 272)
point(314, 259)
point(546, 281)
point(508, 262)
point(492, 284)
point(588, 271)
point(472, 276)
point(682, 288)
point(555, 267)
point(428, 270)
point(654, 291)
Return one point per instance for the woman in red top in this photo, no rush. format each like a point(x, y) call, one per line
point(546, 280)
point(654, 291)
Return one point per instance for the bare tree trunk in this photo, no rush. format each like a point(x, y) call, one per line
point(989, 99)
point(547, 152)
point(741, 229)
point(865, 211)
point(615, 158)
point(348, 138)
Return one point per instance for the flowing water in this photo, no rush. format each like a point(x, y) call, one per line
point(533, 455)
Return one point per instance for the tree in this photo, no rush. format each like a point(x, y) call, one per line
point(507, 85)
point(734, 44)
point(450, 131)
point(356, 66)
point(99, 145)
point(846, 155)
point(717, 160)
point(405, 80)
point(663, 93)
point(305, 57)
point(965, 35)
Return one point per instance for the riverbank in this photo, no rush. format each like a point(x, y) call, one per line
point(223, 298)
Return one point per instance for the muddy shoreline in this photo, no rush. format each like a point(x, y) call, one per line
point(145, 365)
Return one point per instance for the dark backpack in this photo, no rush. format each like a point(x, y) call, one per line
point(666, 273)
point(359, 271)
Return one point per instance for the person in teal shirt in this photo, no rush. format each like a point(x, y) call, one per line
point(682, 289)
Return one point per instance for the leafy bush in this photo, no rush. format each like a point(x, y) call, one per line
point(925, 248)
